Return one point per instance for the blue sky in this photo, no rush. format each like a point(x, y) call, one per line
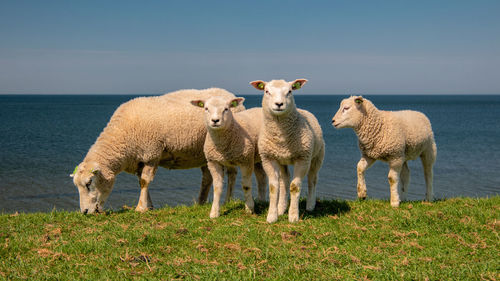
point(342, 47)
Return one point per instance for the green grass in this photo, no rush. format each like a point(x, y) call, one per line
point(453, 239)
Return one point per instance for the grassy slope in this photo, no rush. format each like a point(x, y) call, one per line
point(451, 239)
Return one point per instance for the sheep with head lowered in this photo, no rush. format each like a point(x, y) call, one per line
point(231, 141)
point(142, 134)
point(289, 136)
point(390, 136)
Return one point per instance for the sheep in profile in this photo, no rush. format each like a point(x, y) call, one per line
point(231, 141)
point(289, 136)
point(142, 134)
point(390, 136)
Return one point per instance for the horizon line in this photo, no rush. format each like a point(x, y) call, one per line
point(253, 94)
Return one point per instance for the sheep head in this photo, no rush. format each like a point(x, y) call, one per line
point(218, 112)
point(93, 188)
point(350, 113)
point(278, 98)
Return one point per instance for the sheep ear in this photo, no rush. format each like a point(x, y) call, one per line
point(358, 100)
point(95, 170)
point(258, 84)
point(198, 103)
point(298, 83)
point(74, 171)
point(235, 102)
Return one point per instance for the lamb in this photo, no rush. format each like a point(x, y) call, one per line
point(231, 141)
point(390, 136)
point(289, 136)
point(142, 134)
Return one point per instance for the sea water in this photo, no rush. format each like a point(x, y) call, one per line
point(43, 138)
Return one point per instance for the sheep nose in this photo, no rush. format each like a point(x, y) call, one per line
point(85, 211)
point(278, 104)
point(333, 121)
point(215, 121)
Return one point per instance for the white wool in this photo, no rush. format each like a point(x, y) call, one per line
point(231, 142)
point(142, 134)
point(289, 136)
point(391, 136)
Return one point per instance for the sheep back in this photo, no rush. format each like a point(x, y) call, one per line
point(387, 135)
point(165, 128)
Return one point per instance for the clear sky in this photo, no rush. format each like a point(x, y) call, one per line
point(342, 47)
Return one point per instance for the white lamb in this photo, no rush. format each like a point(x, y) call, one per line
point(391, 136)
point(289, 136)
point(142, 134)
point(231, 141)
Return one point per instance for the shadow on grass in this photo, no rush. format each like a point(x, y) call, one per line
point(323, 208)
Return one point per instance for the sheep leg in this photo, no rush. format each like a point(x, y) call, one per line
point(363, 164)
point(231, 181)
point(405, 181)
point(312, 178)
point(284, 184)
point(217, 172)
point(427, 162)
point(395, 168)
point(146, 176)
point(300, 170)
point(206, 182)
point(272, 169)
point(260, 176)
point(246, 183)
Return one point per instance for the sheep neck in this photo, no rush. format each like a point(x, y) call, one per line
point(223, 137)
point(274, 123)
point(109, 154)
point(370, 129)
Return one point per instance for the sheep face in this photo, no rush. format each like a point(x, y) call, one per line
point(218, 113)
point(92, 187)
point(349, 114)
point(278, 98)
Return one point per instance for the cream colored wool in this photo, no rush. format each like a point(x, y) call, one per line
point(289, 136)
point(142, 134)
point(390, 136)
point(231, 141)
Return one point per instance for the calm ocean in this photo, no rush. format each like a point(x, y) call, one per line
point(43, 137)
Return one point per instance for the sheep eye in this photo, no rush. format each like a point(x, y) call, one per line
point(88, 184)
point(346, 108)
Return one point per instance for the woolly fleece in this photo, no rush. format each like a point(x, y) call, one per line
point(231, 141)
point(142, 134)
point(390, 136)
point(289, 136)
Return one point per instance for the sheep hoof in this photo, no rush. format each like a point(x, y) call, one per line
point(249, 210)
point(310, 207)
point(395, 204)
point(142, 209)
point(214, 215)
point(293, 218)
point(272, 218)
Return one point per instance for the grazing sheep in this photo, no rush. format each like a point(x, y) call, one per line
point(231, 141)
point(391, 136)
point(289, 136)
point(142, 134)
